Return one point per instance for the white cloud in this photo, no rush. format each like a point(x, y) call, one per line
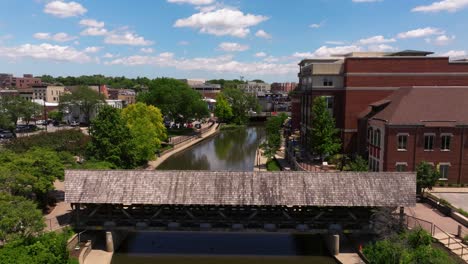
point(183, 43)
point(376, 40)
point(93, 31)
point(92, 23)
point(332, 42)
point(271, 59)
point(222, 22)
point(231, 46)
point(59, 37)
point(442, 40)
point(420, 32)
point(381, 48)
point(455, 53)
point(64, 9)
point(260, 54)
point(445, 5)
point(262, 34)
point(109, 55)
point(366, 1)
point(126, 38)
point(325, 51)
point(147, 50)
point(45, 51)
point(192, 2)
point(92, 49)
point(220, 64)
point(315, 25)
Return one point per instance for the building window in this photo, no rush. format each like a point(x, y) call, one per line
point(402, 142)
point(401, 166)
point(377, 138)
point(330, 103)
point(445, 144)
point(444, 170)
point(429, 142)
point(370, 135)
point(327, 82)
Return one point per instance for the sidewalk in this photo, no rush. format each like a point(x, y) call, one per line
point(426, 212)
point(60, 216)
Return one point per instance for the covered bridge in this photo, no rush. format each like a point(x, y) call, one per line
point(188, 199)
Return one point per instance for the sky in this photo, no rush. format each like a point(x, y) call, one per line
point(208, 39)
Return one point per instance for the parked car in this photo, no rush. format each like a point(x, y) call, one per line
point(198, 126)
point(74, 123)
point(6, 134)
point(56, 123)
point(25, 128)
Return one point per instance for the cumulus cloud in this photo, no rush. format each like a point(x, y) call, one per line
point(109, 55)
point(333, 42)
point(183, 43)
point(260, 54)
point(92, 49)
point(126, 38)
point(455, 53)
point(147, 50)
point(222, 22)
point(376, 40)
point(420, 32)
point(262, 34)
point(446, 5)
point(192, 2)
point(381, 48)
point(94, 31)
point(325, 51)
point(442, 40)
point(91, 23)
point(64, 9)
point(220, 64)
point(232, 46)
point(45, 51)
point(59, 37)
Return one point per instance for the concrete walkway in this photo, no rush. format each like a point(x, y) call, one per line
point(98, 257)
point(60, 216)
point(426, 212)
point(260, 161)
point(153, 164)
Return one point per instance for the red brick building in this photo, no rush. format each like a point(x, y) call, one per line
point(25, 82)
point(357, 80)
point(421, 124)
point(283, 87)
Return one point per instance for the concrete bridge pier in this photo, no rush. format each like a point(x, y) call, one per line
point(333, 244)
point(114, 239)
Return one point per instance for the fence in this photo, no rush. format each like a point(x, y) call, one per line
point(196, 135)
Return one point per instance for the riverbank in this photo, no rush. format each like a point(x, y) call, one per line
point(153, 164)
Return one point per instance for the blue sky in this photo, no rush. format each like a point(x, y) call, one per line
point(257, 39)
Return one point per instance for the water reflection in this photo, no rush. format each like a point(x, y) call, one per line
point(232, 150)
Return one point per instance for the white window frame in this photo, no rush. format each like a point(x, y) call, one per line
point(398, 141)
point(401, 164)
point(444, 164)
point(433, 135)
point(450, 136)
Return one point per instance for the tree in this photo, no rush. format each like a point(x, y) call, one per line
point(111, 139)
point(273, 135)
point(56, 115)
point(223, 110)
point(358, 164)
point(426, 176)
point(83, 97)
point(20, 218)
point(323, 135)
point(146, 128)
point(240, 103)
point(175, 99)
point(13, 108)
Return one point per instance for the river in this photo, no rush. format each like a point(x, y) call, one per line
point(232, 150)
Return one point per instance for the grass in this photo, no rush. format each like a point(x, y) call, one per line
point(273, 165)
point(165, 147)
point(232, 127)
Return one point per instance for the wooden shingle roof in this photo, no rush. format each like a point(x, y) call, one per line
point(240, 188)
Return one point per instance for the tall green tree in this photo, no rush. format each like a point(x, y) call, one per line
point(240, 103)
point(323, 136)
point(83, 97)
point(176, 99)
point(426, 176)
point(223, 110)
point(20, 218)
point(273, 135)
point(146, 128)
point(12, 108)
point(111, 139)
point(358, 164)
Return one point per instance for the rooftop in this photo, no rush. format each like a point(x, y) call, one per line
point(240, 188)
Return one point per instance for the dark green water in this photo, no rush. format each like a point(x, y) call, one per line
point(229, 150)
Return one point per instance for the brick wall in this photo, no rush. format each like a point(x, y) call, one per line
point(403, 65)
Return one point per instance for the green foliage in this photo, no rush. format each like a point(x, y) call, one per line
point(426, 176)
point(225, 84)
point(272, 165)
point(114, 82)
point(15, 107)
point(273, 135)
point(223, 110)
point(20, 218)
point(412, 247)
point(73, 141)
point(30, 173)
point(146, 128)
point(324, 139)
point(56, 115)
point(111, 139)
point(94, 165)
point(83, 97)
point(176, 100)
point(463, 212)
point(44, 249)
point(358, 164)
point(240, 103)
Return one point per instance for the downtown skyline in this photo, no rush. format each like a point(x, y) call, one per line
point(216, 39)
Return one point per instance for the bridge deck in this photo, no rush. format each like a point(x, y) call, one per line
point(187, 188)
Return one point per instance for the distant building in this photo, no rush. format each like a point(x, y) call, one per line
point(128, 96)
point(8, 92)
point(255, 87)
point(27, 93)
point(207, 90)
point(101, 89)
point(49, 93)
point(27, 81)
point(283, 87)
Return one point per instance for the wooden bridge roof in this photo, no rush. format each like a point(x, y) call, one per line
point(240, 188)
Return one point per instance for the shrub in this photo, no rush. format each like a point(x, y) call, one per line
point(272, 165)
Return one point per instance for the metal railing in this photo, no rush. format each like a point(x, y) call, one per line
point(413, 222)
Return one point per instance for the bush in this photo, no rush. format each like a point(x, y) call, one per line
point(272, 165)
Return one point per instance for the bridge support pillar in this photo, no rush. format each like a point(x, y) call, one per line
point(114, 239)
point(333, 244)
point(109, 242)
